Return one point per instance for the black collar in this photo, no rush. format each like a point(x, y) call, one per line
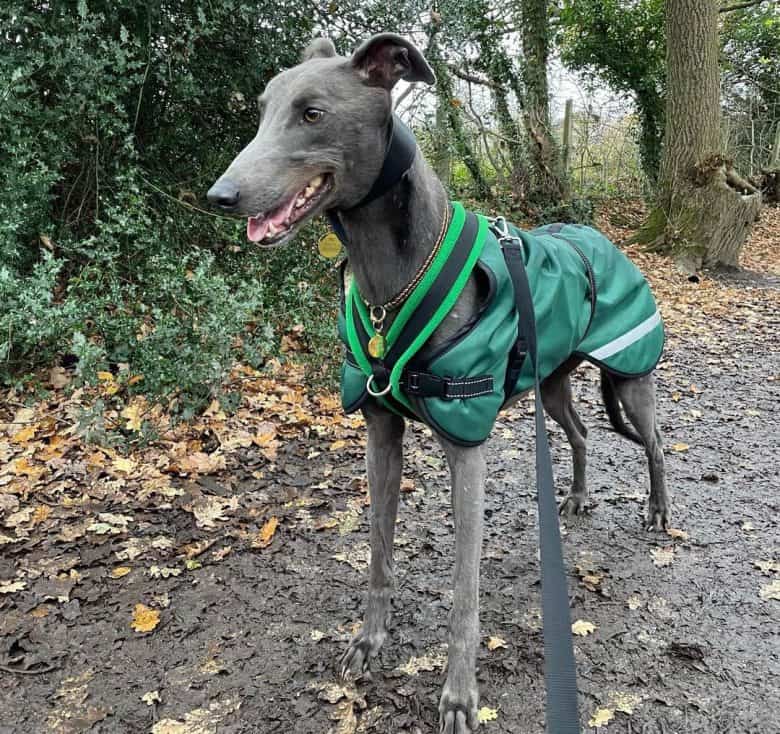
point(399, 156)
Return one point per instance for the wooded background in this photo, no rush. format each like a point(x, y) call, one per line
point(116, 117)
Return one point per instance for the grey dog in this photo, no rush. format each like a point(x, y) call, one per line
point(323, 131)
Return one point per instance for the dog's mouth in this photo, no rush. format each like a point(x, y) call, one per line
point(272, 227)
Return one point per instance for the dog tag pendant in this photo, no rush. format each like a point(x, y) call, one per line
point(376, 346)
point(329, 245)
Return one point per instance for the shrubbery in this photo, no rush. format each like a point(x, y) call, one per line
point(114, 119)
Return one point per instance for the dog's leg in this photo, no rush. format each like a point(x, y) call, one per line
point(637, 395)
point(384, 462)
point(459, 699)
point(559, 404)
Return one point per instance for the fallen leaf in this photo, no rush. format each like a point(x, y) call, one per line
point(677, 533)
point(25, 435)
point(680, 447)
point(133, 415)
point(583, 628)
point(770, 591)
point(201, 720)
point(407, 485)
point(8, 587)
point(201, 463)
point(151, 698)
point(208, 509)
point(337, 445)
point(486, 714)
point(634, 602)
point(266, 534)
point(103, 528)
point(663, 556)
point(40, 514)
point(144, 618)
point(164, 572)
point(120, 571)
point(601, 717)
point(767, 567)
point(358, 556)
point(124, 465)
point(624, 702)
point(432, 661)
point(58, 377)
point(494, 643)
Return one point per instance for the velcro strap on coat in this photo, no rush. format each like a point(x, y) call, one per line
point(427, 385)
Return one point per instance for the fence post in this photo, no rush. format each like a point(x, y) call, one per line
point(567, 121)
point(775, 163)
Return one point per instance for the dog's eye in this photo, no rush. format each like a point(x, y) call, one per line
point(312, 114)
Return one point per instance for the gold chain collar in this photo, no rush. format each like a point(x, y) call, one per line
point(379, 313)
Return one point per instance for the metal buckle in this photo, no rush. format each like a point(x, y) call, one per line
point(412, 381)
point(501, 228)
point(377, 394)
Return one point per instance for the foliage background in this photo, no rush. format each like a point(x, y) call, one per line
point(116, 117)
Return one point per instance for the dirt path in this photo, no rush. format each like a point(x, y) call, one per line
point(248, 636)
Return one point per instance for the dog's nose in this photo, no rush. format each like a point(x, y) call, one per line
point(224, 193)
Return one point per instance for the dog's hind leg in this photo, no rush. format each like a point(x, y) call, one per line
point(460, 697)
point(637, 395)
point(559, 404)
point(384, 462)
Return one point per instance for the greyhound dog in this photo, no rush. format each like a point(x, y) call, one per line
point(323, 132)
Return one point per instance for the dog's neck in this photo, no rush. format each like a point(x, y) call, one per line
point(391, 237)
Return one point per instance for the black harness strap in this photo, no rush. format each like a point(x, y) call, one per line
point(427, 385)
point(438, 290)
point(559, 667)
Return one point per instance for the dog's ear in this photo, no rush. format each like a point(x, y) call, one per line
point(319, 48)
point(387, 57)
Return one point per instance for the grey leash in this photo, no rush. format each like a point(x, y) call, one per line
point(560, 672)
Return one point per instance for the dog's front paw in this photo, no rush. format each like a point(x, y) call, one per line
point(363, 647)
point(659, 517)
point(573, 504)
point(458, 708)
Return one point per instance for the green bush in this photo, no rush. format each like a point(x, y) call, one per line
point(114, 119)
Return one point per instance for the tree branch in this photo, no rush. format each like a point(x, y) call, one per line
point(741, 6)
point(467, 77)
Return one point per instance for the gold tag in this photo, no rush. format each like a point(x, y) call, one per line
point(376, 346)
point(329, 245)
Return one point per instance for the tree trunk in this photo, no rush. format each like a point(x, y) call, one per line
point(442, 157)
point(451, 107)
point(548, 186)
point(651, 124)
point(497, 65)
point(705, 210)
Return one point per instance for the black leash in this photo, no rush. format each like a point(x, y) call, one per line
point(560, 673)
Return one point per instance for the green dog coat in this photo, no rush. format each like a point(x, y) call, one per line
point(589, 300)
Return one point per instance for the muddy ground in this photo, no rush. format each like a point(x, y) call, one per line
point(249, 636)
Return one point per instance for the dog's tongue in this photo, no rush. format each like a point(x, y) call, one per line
point(257, 227)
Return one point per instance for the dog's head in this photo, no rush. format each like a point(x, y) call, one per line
point(324, 126)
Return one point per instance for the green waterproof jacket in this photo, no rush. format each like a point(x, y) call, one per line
point(589, 300)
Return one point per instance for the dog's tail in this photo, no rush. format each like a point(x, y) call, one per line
point(615, 415)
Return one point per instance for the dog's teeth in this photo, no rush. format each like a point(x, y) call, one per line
point(309, 191)
point(315, 182)
point(272, 230)
point(300, 201)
